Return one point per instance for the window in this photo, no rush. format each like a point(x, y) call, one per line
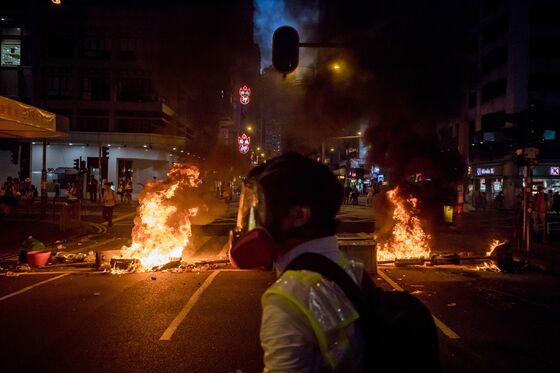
point(128, 47)
point(493, 59)
point(59, 83)
point(493, 90)
point(96, 46)
point(134, 86)
point(96, 85)
point(11, 53)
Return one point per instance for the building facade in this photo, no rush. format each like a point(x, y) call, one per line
point(512, 102)
point(129, 76)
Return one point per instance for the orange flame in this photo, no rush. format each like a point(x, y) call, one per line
point(493, 245)
point(408, 238)
point(490, 266)
point(162, 227)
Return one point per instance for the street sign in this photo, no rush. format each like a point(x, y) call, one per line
point(244, 93)
point(243, 141)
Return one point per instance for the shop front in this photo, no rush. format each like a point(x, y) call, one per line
point(485, 183)
point(547, 176)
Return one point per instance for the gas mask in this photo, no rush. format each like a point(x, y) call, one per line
point(251, 244)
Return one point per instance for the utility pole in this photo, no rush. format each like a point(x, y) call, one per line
point(44, 182)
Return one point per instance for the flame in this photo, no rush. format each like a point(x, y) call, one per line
point(162, 227)
point(491, 266)
point(493, 245)
point(408, 238)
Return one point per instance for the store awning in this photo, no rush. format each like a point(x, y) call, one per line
point(21, 121)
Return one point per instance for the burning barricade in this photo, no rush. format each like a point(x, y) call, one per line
point(162, 227)
point(409, 244)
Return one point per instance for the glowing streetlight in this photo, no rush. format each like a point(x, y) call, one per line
point(249, 128)
point(359, 133)
point(57, 2)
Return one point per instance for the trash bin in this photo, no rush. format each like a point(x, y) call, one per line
point(448, 213)
point(30, 244)
point(361, 246)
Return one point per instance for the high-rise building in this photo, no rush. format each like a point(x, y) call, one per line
point(513, 100)
point(148, 81)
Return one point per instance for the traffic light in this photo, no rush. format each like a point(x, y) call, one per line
point(105, 152)
point(82, 165)
point(285, 49)
point(77, 163)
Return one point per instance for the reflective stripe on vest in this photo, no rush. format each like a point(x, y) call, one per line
point(325, 306)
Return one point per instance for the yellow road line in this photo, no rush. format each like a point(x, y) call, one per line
point(449, 333)
point(31, 287)
point(168, 333)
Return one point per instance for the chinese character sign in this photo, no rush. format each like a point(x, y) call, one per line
point(243, 141)
point(244, 93)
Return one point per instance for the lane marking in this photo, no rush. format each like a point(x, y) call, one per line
point(168, 333)
point(389, 280)
point(31, 287)
point(449, 333)
point(445, 329)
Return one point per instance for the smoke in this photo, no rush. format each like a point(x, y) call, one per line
point(403, 74)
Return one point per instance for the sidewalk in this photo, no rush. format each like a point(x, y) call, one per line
point(473, 231)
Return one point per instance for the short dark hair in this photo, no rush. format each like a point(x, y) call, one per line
point(293, 179)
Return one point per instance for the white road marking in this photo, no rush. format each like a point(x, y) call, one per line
point(31, 287)
point(168, 333)
point(449, 333)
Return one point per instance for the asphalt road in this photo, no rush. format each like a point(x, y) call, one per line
point(208, 321)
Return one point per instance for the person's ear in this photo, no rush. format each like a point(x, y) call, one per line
point(300, 215)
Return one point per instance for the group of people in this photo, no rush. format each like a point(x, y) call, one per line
point(124, 190)
point(352, 192)
point(542, 204)
point(14, 190)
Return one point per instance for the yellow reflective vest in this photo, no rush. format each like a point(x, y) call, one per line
point(328, 313)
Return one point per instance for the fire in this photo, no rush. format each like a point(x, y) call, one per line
point(162, 227)
point(408, 238)
point(493, 245)
point(490, 266)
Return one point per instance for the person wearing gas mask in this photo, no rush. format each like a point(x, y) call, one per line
point(287, 208)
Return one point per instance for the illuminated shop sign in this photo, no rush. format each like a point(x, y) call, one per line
point(485, 171)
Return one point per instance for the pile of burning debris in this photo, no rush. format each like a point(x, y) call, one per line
point(409, 244)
